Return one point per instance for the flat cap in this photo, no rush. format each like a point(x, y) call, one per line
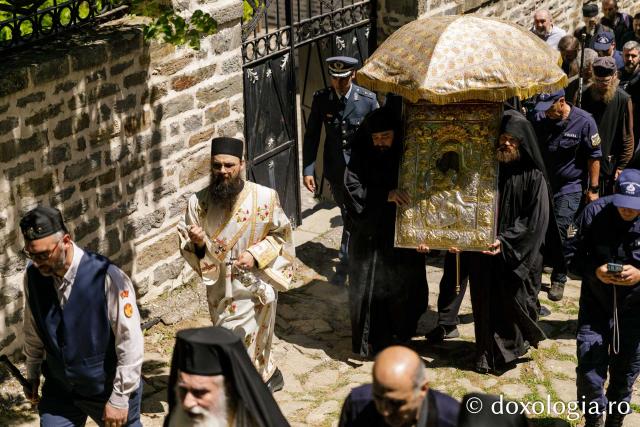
point(41, 222)
point(604, 66)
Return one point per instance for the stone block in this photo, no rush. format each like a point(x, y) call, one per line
point(59, 154)
point(134, 164)
point(85, 228)
point(178, 206)
point(163, 190)
point(126, 43)
point(135, 79)
point(10, 267)
point(81, 122)
point(203, 136)
point(121, 67)
point(164, 248)
point(107, 177)
point(7, 239)
point(166, 272)
point(175, 129)
point(8, 124)
point(8, 340)
point(63, 129)
point(116, 154)
point(231, 128)
point(119, 212)
point(32, 97)
point(110, 244)
point(228, 14)
point(37, 186)
point(193, 123)
point(20, 169)
point(141, 287)
point(134, 185)
point(102, 91)
point(105, 112)
point(177, 105)
point(231, 65)
point(194, 169)
point(74, 210)
point(140, 226)
point(165, 152)
point(13, 80)
point(102, 135)
point(220, 90)
point(83, 167)
point(107, 197)
point(126, 104)
point(137, 123)
point(11, 149)
point(64, 87)
point(89, 56)
point(158, 91)
point(226, 40)
point(124, 261)
point(96, 75)
point(173, 66)
point(186, 81)
point(13, 318)
point(89, 184)
point(4, 108)
point(50, 69)
point(217, 112)
point(44, 114)
point(81, 144)
point(62, 196)
point(153, 175)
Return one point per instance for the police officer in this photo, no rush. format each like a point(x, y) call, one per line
point(82, 327)
point(570, 144)
point(341, 108)
point(606, 253)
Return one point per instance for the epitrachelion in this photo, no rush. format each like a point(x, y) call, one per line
point(450, 171)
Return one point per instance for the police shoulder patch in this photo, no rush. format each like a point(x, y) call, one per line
point(595, 140)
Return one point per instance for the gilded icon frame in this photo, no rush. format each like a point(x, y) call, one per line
point(450, 171)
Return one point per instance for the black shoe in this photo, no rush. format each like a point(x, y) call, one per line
point(441, 333)
point(482, 366)
point(614, 420)
point(594, 422)
point(339, 279)
point(276, 382)
point(556, 291)
point(544, 311)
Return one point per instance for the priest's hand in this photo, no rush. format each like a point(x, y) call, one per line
point(591, 197)
point(196, 235)
point(399, 197)
point(494, 248)
point(422, 248)
point(309, 182)
point(114, 417)
point(245, 261)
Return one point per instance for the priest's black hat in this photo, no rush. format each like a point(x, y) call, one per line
point(227, 145)
point(218, 351)
point(41, 222)
point(590, 10)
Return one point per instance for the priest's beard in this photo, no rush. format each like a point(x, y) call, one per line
point(224, 190)
point(605, 95)
point(215, 417)
point(508, 156)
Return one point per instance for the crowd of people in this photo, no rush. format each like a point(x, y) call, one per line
point(568, 199)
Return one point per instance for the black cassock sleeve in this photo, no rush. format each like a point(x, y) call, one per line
point(523, 218)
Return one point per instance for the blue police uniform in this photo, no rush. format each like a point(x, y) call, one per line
point(604, 343)
point(567, 146)
point(341, 118)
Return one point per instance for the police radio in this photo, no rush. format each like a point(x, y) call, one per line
point(614, 268)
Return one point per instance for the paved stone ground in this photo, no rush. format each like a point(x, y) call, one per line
point(313, 346)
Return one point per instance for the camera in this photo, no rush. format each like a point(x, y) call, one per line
point(614, 267)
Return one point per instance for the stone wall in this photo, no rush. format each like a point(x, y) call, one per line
point(392, 14)
point(115, 132)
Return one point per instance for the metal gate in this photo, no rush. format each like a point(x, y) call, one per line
point(283, 41)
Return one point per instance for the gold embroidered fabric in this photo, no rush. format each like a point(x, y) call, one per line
point(450, 171)
point(447, 59)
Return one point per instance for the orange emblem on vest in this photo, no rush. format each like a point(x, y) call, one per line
point(124, 294)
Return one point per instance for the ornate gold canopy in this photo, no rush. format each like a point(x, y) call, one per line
point(449, 59)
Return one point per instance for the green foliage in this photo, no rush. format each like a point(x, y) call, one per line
point(248, 10)
point(174, 29)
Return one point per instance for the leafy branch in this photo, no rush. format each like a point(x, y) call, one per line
point(174, 29)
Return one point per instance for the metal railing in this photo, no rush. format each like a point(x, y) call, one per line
point(26, 21)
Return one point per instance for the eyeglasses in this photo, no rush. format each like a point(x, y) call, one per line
point(40, 256)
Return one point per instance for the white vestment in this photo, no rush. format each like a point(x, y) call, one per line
point(243, 303)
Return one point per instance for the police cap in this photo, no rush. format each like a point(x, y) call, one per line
point(628, 189)
point(41, 222)
point(341, 66)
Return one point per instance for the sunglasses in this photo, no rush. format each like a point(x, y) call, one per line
point(40, 256)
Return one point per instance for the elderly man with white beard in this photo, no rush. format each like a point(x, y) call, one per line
point(213, 383)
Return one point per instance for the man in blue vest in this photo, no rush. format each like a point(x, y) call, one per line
point(341, 107)
point(81, 330)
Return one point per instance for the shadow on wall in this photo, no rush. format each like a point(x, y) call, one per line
point(79, 131)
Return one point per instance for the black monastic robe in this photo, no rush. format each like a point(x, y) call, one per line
point(387, 286)
point(504, 287)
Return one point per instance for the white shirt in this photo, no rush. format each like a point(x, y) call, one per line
point(554, 36)
point(129, 341)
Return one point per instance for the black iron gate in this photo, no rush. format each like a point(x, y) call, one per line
point(283, 41)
